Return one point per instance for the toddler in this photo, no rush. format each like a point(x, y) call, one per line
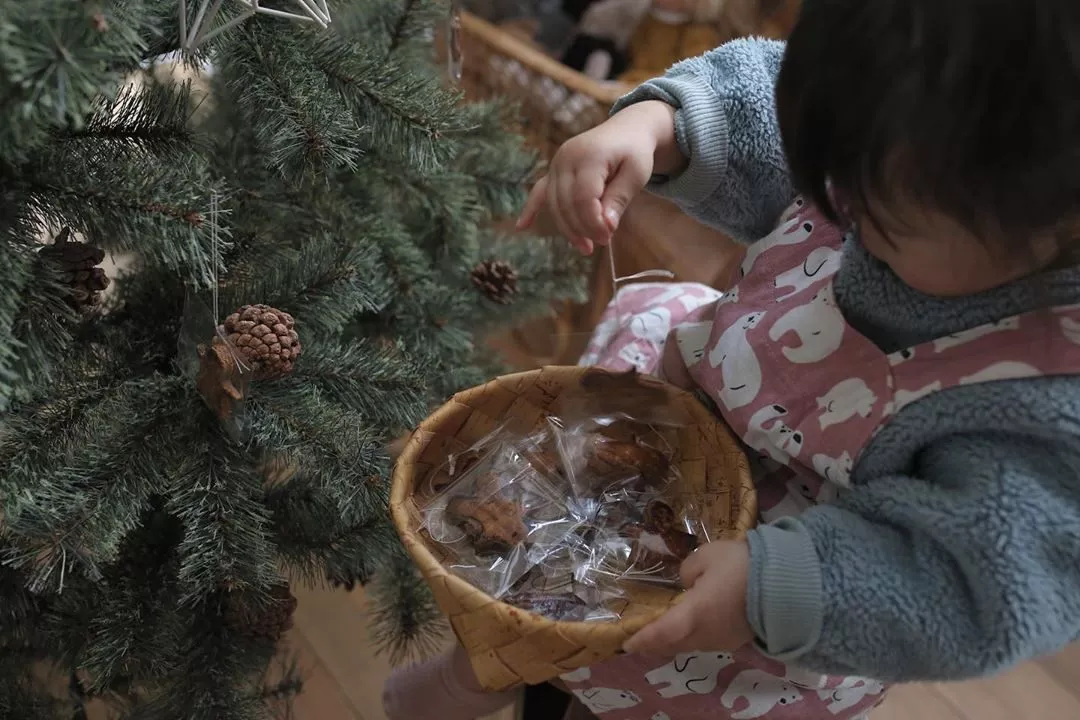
point(900, 356)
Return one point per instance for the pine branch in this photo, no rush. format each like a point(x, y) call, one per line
point(227, 536)
point(380, 384)
point(153, 119)
point(70, 516)
point(55, 61)
point(406, 623)
point(314, 541)
point(290, 109)
point(398, 34)
point(299, 423)
point(16, 275)
point(322, 281)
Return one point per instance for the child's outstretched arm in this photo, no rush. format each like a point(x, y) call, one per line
point(725, 124)
point(704, 135)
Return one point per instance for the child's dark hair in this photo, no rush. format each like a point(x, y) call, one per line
point(969, 107)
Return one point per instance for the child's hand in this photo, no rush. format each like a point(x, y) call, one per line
point(711, 615)
point(594, 176)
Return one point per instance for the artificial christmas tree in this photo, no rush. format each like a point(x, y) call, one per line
point(166, 465)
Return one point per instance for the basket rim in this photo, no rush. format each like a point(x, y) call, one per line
point(400, 492)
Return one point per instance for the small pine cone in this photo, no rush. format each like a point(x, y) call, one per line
point(258, 619)
point(265, 338)
point(78, 264)
point(497, 280)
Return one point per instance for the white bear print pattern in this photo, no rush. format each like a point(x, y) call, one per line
point(966, 336)
point(692, 339)
point(645, 312)
point(850, 693)
point(652, 326)
point(818, 325)
point(844, 401)
point(577, 676)
point(1007, 370)
point(604, 700)
point(639, 355)
point(689, 674)
point(770, 436)
point(738, 362)
point(1070, 328)
point(754, 694)
point(903, 398)
point(791, 232)
point(806, 393)
point(836, 470)
point(822, 261)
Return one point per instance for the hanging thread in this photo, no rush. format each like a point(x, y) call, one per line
point(215, 254)
point(455, 50)
point(215, 251)
point(616, 279)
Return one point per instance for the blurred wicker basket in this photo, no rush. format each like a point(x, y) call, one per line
point(555, 103)
point(509, 646)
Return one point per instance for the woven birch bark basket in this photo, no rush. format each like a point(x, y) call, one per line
point(509, 646)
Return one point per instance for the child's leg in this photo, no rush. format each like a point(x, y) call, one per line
point(444, 688)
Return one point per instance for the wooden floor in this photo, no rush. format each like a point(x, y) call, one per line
point(344, 676)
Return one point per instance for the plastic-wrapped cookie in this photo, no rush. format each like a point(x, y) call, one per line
point(658, 545)
point(493, 525)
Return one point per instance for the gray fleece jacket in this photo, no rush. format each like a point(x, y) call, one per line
point(957, 552)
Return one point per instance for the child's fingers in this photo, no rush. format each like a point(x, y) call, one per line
point(666, 635)
point(537, 198)
point(588, 189)
point(561, 215)
point(555, 208)
point(620, 191)
point(567, 191)
point(692, 568)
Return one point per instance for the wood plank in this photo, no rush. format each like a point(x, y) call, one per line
point(335, 628)
point(917, 702)
point(1065, 668)
point(333, 623)
point(1028, 692)
point(322, 697)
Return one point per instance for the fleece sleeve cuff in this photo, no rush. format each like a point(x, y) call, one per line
point(784, 599)
point(701, 131)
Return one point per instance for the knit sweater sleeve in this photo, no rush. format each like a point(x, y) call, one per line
point(725, 124)
point(966, 566)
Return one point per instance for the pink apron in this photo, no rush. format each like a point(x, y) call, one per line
point(806, 393)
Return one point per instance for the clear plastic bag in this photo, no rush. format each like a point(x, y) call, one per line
point(563, 521)
point(499, 517)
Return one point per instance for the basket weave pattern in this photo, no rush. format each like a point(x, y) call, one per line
point(509, 646)
point(554, 102)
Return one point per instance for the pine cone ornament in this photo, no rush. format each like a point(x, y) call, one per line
point(259, 619)
point(78, 262)
point(265, 338)
point(497, 280)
